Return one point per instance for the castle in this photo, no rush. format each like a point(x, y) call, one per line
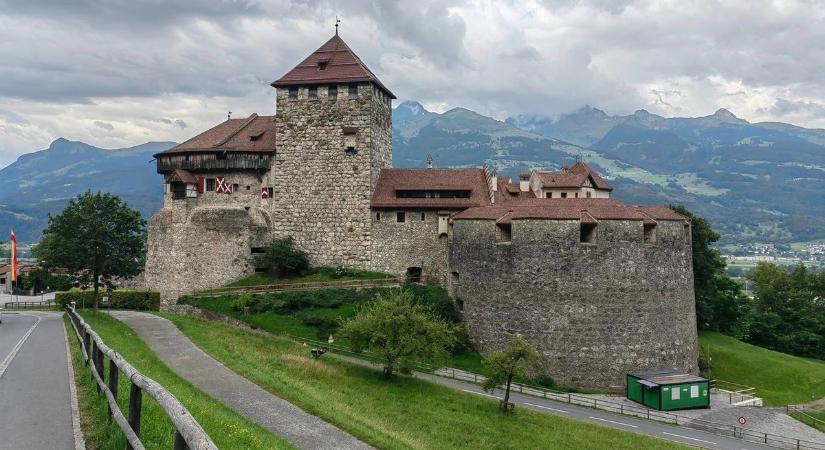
point(599, 287)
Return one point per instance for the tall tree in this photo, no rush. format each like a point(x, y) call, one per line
point(502, 366)
point(94, 232)
point(718, 297)
point(401, 331)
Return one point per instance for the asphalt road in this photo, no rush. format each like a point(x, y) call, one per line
point(35, 402)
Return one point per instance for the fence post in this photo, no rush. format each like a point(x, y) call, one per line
point(113, 373)
point(180, 444)
point(87, 345)
point(135, 400)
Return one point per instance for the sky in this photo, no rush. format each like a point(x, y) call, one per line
point(117, 73)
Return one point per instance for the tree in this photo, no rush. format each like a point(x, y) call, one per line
point(502, 366)
point(282, 258)
point(404, 333)
point(718, 298)
point(96, 233)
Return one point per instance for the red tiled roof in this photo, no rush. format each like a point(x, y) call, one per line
point(574, 177)
point(183, 176)
point(587, 210)
point(392, 180)
point(509, 191)
point(341, 65)
point(252, 134)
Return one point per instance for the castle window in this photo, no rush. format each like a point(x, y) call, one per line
point(247, 187)
point(454, 276)
point(350, 150)
point(650, 233)
point(414, 274)
point(460, 303)
point(236, 187)
point(378, 217)
point(210, 184)
point(577, 195)
point(587, 233)
point(257, 250)
point(423, 216)
point(270, 191)
point(178, 190)
point(353, 91)
point(400, 217)
point(313, 93)
point(220, 156)
point(322, 64)
point(504, 232)
point(564, 195)
point(549, 195)
point(332, 93)
point(589, 195)
point(293, 93)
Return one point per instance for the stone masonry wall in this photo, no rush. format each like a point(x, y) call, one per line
point(322, 192)
point(594, 311)
point(413, 243)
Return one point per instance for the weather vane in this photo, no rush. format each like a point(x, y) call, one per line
point(337, 21)
point(228, 115)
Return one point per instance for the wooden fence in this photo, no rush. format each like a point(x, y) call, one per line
point(266, 288)
point(188, 433)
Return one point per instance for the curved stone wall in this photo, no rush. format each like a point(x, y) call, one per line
point(595, 311)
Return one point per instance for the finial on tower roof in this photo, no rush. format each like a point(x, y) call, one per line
point(429, 161)
point(337, 21)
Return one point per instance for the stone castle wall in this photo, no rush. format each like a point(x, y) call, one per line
point(205, 242)
point(594, 311)
point(397, 246)
point(322, 191)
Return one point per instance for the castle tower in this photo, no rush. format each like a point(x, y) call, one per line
point(334, 134)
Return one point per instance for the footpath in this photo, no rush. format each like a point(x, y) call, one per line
point(301, 429)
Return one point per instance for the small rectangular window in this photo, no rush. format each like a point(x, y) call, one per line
point(564, 195)
point(587, 232)
point(423, 216)
point(293, 93)
point(549, 195)
point(504, 232)
point(332, 93)
point(353, 91)
point(270, 192)
point(694, 391)
point(675, 393)
point(589, 195)
point(650, 233)
point(235, 187)
point(400, 216)
point(210, 184)
point(577, 195)
point(378, 217)
point(313, 93)
point(460, 304)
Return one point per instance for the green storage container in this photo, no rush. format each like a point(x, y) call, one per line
point(668, 390)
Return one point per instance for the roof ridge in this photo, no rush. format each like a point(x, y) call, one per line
point(249, 120)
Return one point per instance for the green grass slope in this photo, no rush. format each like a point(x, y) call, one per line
point(405, 413)
point(226, 428)
point(780, 379)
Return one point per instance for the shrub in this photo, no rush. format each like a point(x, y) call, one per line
point(81, 298)
point(283, 259)
point(129, 299)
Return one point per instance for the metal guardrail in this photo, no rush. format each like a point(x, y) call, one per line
point(737, 432)
point(27, 305)
point(188, 433)
point(800, 412)
point(280, 287)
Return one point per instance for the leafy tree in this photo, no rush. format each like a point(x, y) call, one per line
point(502, 366)
point(401, 331)
point(96, 233)
point(282, 258)
point(718, 297)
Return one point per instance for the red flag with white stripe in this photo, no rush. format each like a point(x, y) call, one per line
point(14, 268)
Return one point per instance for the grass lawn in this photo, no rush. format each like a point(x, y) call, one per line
point(779, 378)
point(226, 428)
point(405, 413)
point(316, 274)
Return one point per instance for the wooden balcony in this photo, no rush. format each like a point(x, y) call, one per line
point(215, 161)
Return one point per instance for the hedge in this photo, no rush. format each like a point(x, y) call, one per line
point(121, 299)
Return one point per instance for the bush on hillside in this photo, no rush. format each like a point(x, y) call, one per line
point(121, 299)
point(82, 299)
point(283, 259)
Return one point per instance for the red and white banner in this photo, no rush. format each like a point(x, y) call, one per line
point(222, 186)
point(15, 270)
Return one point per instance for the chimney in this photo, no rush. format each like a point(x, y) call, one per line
point(524, 182)
point(429, 161)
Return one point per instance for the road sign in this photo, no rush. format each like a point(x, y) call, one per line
point(742, 421)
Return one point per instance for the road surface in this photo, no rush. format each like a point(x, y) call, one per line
point(35, 392)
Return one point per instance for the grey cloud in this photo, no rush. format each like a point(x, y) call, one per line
point(12, 117)
point(180, 124)
point(805, 107)
point(176, 122)
point(105, 125)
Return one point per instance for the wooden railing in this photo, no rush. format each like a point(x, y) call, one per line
point(265, 288)
point(800, 412)
point(188, 433)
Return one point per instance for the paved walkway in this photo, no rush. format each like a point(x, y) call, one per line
point(36, 399)
point(248, 399)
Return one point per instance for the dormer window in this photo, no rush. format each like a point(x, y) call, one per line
point(322, 64)
point(256, 136)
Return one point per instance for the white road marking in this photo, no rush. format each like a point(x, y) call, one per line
point(5, 364)
point(481, 393)
point(686, 437)
point(613, 421)
point(547, 407)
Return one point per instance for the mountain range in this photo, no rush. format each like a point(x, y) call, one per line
point(755, 182)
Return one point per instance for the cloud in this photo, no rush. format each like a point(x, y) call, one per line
point(165, 70)
point(105, 125)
